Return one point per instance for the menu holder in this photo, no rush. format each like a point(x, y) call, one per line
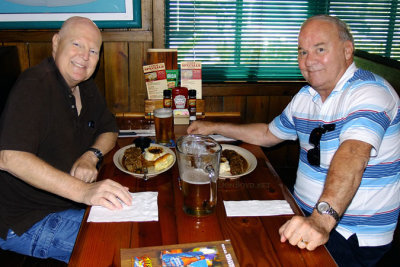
point(168, 56)
point(218, 253)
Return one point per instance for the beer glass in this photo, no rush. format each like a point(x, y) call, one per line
point(164, 125)
point(198, 161)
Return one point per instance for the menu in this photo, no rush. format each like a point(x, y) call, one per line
point(217, 253)
point(191, 76)
point(156, 80)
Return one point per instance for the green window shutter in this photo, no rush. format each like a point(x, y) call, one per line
point(255, 40)
point(395, 53)
point(237, 40)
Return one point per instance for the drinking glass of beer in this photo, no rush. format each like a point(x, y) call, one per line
point(198, 161)
point(164, 125)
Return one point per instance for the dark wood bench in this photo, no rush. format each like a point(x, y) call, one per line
point(9, 258)
point(9, 71)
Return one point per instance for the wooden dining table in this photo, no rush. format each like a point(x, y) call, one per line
point(255, 240)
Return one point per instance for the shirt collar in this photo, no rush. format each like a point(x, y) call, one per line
point(345, 77)
point(60, 78)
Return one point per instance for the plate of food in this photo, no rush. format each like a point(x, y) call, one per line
point(156, 158)
point(236, 162)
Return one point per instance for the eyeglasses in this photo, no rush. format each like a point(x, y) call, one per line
point(314, 154)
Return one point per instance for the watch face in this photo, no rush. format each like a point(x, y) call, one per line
point(323, 207)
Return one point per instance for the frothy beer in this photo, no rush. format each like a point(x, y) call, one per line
point(164, 125)
point(199, 193)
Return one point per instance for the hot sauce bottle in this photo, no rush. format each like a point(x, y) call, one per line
point(192, 105)
point(167, 102)
point(179, 97)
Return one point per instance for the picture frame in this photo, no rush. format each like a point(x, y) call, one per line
point(50, 14)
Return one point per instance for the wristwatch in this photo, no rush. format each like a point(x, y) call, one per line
point(98, 154)
point(324, 208)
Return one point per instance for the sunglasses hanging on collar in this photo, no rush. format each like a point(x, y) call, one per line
point(314, 154)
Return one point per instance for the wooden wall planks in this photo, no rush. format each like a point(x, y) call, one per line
point(116, 76)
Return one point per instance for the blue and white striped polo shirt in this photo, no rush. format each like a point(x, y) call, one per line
point(364, 107)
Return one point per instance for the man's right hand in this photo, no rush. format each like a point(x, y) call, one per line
point(106, 193)
point(201, 127)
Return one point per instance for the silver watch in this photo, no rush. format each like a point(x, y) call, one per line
point(324, 208)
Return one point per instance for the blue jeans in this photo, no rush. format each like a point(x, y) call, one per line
point(52, 237)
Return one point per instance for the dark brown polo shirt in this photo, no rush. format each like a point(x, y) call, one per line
point(40, 117)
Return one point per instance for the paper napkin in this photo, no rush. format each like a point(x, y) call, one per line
point(221, 138)
point(144, 208)
point(257, 208)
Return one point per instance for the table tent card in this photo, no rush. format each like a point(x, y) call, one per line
point(191, 76)
point(156, 80)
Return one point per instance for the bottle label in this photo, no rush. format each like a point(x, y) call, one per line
point(180, 101)
point(192, 103)
point(167, 103)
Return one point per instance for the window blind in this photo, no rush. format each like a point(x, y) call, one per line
point(375, 25)
point(255, 40)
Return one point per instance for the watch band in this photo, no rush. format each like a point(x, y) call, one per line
point(323, 207)
point(98, 154)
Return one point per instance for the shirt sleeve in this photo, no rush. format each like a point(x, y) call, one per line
point(282, 126)
point(371, 110)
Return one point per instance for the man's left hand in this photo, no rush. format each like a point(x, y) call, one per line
point(85, 168)
point(305, 232)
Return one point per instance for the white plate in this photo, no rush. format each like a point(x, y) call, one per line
point(120, 154)
point(251, 160)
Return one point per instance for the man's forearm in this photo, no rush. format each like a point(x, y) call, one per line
point(345, 174)
point(40, 174)
point(105, 142)
point(254, 133)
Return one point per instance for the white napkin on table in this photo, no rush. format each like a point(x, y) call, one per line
point(257, 208)
point(144, 208)
point(221, 138)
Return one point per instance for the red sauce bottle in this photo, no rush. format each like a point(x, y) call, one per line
point(179, 97)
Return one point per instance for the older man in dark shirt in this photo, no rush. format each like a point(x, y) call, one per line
point(54, 131)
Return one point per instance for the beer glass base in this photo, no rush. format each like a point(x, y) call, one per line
point(198, 212)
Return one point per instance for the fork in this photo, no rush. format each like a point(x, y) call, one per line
point(145, 172)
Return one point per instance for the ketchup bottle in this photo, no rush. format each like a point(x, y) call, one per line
point(179, 97)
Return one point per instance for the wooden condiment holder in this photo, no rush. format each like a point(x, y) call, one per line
point(151, 104)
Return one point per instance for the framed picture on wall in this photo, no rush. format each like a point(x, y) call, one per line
point(50, 14)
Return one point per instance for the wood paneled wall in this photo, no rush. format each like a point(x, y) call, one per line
point(120, 77)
